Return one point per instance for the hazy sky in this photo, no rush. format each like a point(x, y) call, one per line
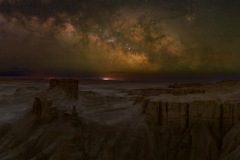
point(120, 37)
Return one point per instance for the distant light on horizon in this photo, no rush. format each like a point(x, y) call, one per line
point(107, 79)
point(111, 79)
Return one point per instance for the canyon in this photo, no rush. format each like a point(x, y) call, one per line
point(70, 119)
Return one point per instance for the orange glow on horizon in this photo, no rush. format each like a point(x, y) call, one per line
point(107, 79)
point(111, 79)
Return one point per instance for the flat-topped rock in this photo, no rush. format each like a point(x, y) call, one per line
point(70, 87)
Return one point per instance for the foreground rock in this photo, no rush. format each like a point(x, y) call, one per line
point(192, 125)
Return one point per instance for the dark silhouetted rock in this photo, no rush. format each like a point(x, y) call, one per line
point(74, 112)
point(70, 87)
point(37, 107)
point(43, 109)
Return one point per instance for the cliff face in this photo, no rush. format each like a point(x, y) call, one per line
point(45, 106)
point(180, 123)
point(43, 109)
point(70, 87)
point(185, 114)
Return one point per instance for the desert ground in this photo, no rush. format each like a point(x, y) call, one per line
point(119, 120)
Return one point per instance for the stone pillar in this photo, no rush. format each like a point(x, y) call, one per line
point(37, 107)
point(74, 112)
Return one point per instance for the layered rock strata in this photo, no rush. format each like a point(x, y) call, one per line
point(186, 114)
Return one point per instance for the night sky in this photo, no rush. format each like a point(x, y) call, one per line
point(119, 38)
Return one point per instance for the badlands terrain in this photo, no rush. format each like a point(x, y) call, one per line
point(116, 120)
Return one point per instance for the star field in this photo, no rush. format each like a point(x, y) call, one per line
point(101, 37)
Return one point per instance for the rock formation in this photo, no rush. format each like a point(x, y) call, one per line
point(70, 87)
point(44, 110)
point(74, 112)
point(185, 114)
point(181, 123)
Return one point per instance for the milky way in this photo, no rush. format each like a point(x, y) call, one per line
point(117, 37)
